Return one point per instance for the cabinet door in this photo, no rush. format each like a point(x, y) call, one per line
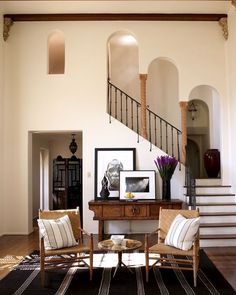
point(59, 184)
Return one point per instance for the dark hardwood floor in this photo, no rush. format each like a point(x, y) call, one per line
point(14, 248)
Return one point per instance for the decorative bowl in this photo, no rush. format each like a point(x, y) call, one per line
point(117, 241)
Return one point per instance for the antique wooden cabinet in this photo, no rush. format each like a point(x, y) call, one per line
point(129, 210)
point(67, 183)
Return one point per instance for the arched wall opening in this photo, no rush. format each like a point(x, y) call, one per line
point(203, 124)
point(123, 62)
point(56, 53)
point(163, 90)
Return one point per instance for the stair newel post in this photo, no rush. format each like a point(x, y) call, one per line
point(143, 80)
point(183, 108)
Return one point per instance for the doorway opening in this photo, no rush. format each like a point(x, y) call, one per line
point(46, 148)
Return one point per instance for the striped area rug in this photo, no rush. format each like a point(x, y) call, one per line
point(25, 279)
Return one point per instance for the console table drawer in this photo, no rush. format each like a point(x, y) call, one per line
point(154, 210)
point(135, 211)
point(112, 211)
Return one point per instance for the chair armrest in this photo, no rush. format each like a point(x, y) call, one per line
point(84, 232)
point(89, 239)
point(149, 235)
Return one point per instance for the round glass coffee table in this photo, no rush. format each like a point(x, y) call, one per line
point(126, 245)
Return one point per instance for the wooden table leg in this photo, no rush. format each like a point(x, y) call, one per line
point(119, 258)
point(100, 230)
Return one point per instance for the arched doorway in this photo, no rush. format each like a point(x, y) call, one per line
point(123, 62)
point(163, 90)
point(203, 122)
point(193, 158)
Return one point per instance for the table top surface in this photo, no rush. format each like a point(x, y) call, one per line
point(127, 244)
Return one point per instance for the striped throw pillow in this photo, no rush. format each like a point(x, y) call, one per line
point(57, 233)
point(182, 232)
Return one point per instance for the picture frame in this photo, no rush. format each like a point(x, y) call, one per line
point(108, 163)
point(138, 185)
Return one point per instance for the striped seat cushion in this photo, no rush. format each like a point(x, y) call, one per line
point(182, 232)
point(57, 233)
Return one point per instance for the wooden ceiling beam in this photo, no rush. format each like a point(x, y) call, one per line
point(116, 17)
point(9, 19)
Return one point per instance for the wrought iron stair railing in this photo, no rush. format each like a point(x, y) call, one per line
point(190, 184)
point(127, 110)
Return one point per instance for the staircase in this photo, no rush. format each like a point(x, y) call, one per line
point(217, 207)
point(216, 203)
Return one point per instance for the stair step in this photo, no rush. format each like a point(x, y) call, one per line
point(218, 225)
point(212, 189)
point(214, 195)
point(216, 204)
point(217, 243)
point(209, 181)
point(214, 199)
point(217, 237)
point(212, 185)
point(217, 214)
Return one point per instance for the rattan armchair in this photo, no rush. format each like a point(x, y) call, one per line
point(71, 256)
point(187, 260)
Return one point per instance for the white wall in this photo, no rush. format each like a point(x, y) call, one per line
point(231, 67)
point(77, 100)
point(1, 129)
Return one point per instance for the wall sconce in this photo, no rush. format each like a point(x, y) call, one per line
point(73, 145)
point(193, 110)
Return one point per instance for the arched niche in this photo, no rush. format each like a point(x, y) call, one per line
point(163, 90)
point(56, 53)
point(123, 62)
point(203, 120)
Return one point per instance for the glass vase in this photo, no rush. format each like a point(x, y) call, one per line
point(166, 192)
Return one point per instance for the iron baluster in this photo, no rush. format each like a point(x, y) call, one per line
point(121, 108)
point(110, 103)
point(172, 141)
point(166, 139)
point(178, 150)
point(137, 122)
point(155, 130)
point(126, 110)
point(132, 115)
point(150, 130)
point(115, 103)
point(161, 133)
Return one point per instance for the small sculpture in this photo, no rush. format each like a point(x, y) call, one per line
point(104, 191)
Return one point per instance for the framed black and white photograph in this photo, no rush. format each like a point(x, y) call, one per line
point(108, 164)
point(137, 185)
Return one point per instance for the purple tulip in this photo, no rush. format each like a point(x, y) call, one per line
point(166, 166)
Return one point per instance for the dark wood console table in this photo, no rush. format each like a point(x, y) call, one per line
point(128, 210)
